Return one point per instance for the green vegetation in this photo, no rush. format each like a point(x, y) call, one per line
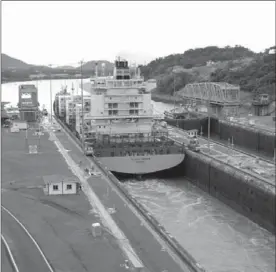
point(254, 72)
point(257, 77)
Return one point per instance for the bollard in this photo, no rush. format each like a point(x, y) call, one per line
point(96, 229)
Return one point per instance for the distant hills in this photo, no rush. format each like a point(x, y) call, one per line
point(10, 63)
point(16, 70)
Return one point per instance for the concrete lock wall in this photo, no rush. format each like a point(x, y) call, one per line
point(232, 188)
point(257, 141)
point(190, 124)
point(241, 136)
point(266, 144)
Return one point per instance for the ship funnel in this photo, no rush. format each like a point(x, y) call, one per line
point(96, 69)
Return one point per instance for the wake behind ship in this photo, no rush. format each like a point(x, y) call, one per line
point(119, 127)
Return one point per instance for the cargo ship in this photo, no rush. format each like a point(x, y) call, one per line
point(118, 126)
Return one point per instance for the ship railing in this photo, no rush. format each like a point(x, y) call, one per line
point(129, 83)
point(88, 116)
point(151, 139)
point(120, 151)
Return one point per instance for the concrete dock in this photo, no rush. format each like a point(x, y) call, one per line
point(61, 225)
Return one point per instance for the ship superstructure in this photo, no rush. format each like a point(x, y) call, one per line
point(121, 129)
point(119, 126)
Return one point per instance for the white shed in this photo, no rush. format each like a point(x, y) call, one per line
point(192, 133)
point(60, 185)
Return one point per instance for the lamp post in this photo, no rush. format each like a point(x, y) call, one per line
point(209, 104)
point(82, 111)
point(50, 65)
point(174, 87)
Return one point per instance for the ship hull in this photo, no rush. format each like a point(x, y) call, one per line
point(141, 164)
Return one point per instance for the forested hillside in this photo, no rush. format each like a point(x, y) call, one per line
point(258, 77)
point(237, 65)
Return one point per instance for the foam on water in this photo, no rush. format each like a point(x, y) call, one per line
point(219, 238)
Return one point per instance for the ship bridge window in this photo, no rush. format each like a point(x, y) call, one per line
point(133, 104)
point(135, 112)
point(112, 112)
point(112, 105)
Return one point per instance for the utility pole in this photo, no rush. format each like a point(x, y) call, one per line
point(26, 140)
point(209, 104)
point(82, 121)
point(174, 88)
point(50, 65)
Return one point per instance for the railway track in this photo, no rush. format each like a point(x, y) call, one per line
point(253, 156)
point(246, 172)
point(30, 244)
point(265, 181)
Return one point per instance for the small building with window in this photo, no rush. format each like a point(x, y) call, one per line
point(60, 185)
point(192, 133)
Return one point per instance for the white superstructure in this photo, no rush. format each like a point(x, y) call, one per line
point(121, 128)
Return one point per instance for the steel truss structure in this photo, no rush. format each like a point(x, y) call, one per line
point(216, 93)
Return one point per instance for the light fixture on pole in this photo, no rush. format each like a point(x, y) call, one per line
point(50, 65)
point(174, 87)
point(209, 105)
point(82, 111)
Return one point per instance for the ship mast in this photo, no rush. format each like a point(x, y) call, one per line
point(96, 70)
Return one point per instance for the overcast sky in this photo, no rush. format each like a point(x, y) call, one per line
point(66, 32)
